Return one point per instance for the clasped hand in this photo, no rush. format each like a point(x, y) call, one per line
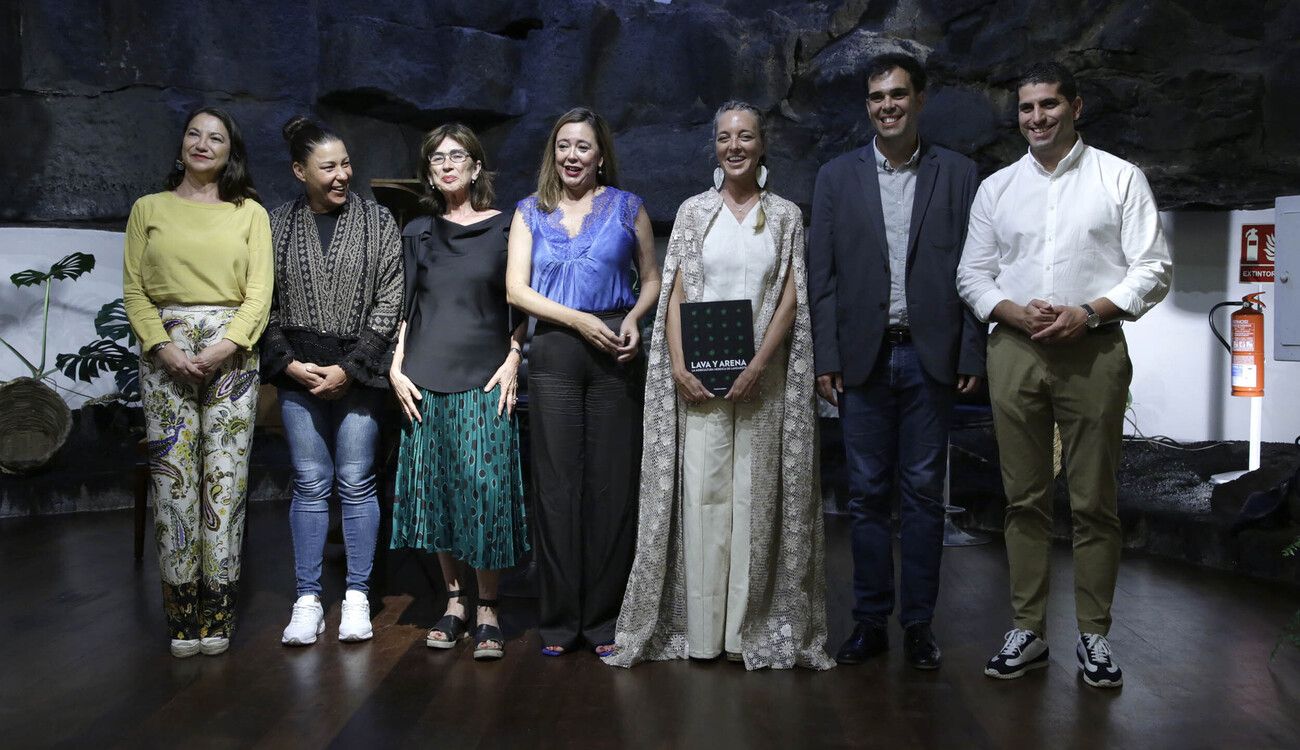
point(622, 346)
point(194, 370)
point(329, 382)
point(1052, 324)
point(178, 364)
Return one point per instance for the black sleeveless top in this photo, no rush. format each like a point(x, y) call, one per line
point(457, 321)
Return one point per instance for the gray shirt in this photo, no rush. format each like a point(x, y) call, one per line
point(897, 189)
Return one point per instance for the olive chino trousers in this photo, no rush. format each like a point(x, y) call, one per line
point(1082, 386)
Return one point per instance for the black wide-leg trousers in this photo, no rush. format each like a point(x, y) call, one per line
point(585, 416)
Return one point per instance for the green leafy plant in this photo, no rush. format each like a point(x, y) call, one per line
point(1291, 631)
point(71, 266)
point(106, 354)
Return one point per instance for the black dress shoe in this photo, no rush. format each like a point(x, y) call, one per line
point(920, 648)
point(867, 641)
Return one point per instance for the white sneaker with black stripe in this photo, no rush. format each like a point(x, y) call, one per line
point(1096, 662)
point(1022, 651)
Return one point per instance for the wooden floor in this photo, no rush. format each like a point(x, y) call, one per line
point(83, 662)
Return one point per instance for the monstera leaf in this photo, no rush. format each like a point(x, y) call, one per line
point(95, 358)
point(111, 323)
point(69, 267)
point(128, 383)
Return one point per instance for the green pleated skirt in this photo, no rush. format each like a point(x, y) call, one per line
point(459, 483)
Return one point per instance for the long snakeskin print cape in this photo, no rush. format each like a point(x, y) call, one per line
point(785, 618)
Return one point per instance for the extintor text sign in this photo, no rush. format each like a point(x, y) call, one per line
point(1258, 245)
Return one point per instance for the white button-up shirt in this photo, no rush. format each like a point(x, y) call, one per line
point(1088, 229)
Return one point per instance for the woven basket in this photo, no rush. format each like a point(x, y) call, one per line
point(34, 423)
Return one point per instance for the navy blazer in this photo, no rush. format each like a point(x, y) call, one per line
point(848, 267)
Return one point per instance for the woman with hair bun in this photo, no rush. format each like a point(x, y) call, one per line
point(196, 285)
point(338, 297)
point(459, 482)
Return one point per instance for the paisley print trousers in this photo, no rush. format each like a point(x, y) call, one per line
point(199, 438)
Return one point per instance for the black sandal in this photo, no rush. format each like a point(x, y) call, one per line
point(485, 634)
point(450, 625)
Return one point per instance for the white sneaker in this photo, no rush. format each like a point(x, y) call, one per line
point(355, 625)
point(1022, 651)
point(307, 622)
point(214, 646)
point(184, 648)
point(1096, 662)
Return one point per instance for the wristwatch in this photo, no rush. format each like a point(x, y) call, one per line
point(1094, 319)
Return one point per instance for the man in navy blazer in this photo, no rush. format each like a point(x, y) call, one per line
point(893, 344)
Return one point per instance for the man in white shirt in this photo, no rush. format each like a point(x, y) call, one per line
point(1062, 245)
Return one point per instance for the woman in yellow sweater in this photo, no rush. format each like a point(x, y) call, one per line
point(197, 289)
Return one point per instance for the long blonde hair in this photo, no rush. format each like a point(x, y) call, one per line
point(549, 187)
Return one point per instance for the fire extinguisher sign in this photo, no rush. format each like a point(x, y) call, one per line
point(1258, 246)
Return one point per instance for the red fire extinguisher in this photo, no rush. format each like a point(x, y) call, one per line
point(1247, 347)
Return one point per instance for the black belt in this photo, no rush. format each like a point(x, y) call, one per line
point(895, 335)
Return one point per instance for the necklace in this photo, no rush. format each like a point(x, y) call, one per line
point(739, 209)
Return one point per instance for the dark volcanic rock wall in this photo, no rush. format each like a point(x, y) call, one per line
point(1203, 94)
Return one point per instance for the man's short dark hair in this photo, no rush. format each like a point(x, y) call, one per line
point(1050, 71)
point(881, 65)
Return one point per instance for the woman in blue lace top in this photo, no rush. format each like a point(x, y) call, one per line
point(582, 262)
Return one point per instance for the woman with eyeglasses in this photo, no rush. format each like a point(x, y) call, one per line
point(582, 262)
point(196, 285)
point(459, 481)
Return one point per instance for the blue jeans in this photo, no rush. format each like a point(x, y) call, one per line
point(329, 442)
point(896, 424)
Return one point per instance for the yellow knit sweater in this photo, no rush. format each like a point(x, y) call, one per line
point(183, 252)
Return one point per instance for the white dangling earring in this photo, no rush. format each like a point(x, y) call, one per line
point(717, 178)
point(762, 176)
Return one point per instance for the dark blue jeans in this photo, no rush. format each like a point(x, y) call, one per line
point(333, 442)
point(896, 425)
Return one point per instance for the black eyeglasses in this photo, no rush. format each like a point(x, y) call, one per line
point(456, 157)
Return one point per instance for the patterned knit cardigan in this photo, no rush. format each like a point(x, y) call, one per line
point(785, 617)
point(339, 307)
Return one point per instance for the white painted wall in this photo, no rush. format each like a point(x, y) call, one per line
point(1180, 371)
point(1180, 381)
point(73, 304)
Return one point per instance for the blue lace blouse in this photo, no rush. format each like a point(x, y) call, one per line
point(593, 271)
